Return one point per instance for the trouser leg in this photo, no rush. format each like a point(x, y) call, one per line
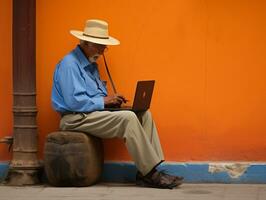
point(150, 129)
point(122, 124)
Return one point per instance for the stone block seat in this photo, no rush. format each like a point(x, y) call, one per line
point(72, 158)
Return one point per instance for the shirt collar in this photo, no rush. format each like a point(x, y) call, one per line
point(84, 62)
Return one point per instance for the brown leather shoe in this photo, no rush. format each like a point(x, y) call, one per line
point(157, 180)
point(177, 179)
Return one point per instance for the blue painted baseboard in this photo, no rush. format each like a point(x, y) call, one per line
point(193, 172)
point(3, 170)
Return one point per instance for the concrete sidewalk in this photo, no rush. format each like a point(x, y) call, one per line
point(108, 191)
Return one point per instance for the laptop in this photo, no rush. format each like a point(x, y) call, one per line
point(142, 99)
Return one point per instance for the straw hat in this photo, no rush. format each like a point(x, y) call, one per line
point(95, 31)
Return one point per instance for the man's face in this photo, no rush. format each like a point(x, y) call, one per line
point(96, 50)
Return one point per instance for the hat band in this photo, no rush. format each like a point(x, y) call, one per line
point(95, 36)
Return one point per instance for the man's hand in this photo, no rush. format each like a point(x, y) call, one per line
point(114, 101)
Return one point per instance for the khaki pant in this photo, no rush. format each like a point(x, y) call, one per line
point(141, 139)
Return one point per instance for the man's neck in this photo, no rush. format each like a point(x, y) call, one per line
point(83, 51)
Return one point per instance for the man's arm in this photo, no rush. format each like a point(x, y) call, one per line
point(74, 90)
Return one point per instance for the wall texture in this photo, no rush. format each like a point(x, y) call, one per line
point(6, 74)
point(207, 57)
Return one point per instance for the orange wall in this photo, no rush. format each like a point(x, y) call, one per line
point(6, 74)
point(207, 57)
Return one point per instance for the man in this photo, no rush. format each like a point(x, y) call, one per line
point(80, 97)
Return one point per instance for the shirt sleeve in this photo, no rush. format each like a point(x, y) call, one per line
point(73, 87)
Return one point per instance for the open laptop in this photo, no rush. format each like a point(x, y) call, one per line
point(142, 99)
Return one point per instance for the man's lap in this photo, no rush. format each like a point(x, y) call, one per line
point(104, 124)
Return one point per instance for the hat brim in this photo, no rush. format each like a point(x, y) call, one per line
point(109, 41)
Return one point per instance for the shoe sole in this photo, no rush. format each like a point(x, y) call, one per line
point(144, 184)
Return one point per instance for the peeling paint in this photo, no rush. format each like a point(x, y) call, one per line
point(234, 170)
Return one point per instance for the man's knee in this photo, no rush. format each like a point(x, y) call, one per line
point(127, 115)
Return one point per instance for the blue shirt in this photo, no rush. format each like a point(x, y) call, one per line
point(76, 85)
